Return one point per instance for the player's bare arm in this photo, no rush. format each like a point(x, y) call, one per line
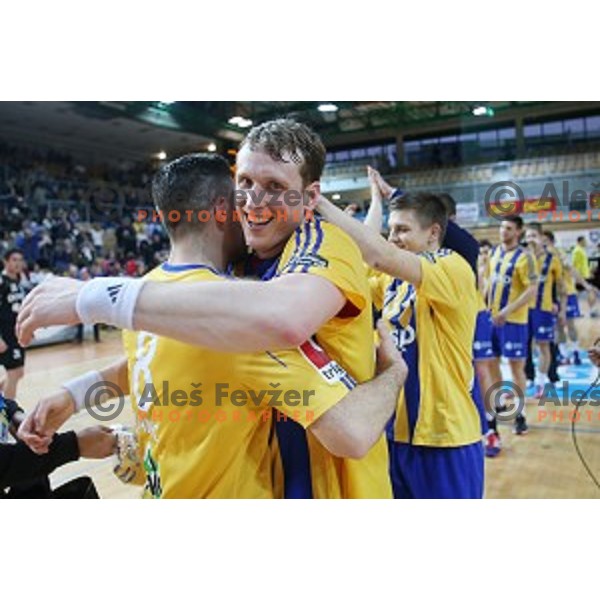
point(524, 299)
point(374, 218)
point(51, 413)
point(230, 316)
point(353, 426)
point(376, 251)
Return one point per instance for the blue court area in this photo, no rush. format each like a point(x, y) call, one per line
point(557, 410)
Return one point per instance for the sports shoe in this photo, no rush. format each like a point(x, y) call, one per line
point(493, 444)
point(521, 427)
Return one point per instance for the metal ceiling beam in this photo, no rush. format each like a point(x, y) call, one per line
point(464, 122)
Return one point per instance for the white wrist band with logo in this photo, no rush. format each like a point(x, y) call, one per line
point(81, 387)
point(109, 300)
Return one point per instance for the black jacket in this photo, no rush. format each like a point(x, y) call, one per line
point(18, 464)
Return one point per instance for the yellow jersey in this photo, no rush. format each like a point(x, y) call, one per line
point(322, 249)
point(581, 262)
point(205, 419)
point(511, 272)
point(567, 271)
point(483, 277)
point(434, 326)
point(550, 272)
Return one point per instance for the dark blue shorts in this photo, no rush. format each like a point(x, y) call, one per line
point(510, 341)
point(482, 346)
point(441, 473)
point(541, 325)
point(573, 311)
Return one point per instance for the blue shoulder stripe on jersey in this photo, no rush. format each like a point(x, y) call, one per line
point(293, 265)
point(543, 278)
point(412, 386)
point(318, 241)
point(499, 260)
point(508, 274)
point(290, 266)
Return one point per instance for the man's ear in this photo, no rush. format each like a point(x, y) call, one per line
point(222, 210)
point(436, 231)
point(312, 193)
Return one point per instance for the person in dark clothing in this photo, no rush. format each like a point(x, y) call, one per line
point(12, 294)
point(26, 473)
point(126, 238)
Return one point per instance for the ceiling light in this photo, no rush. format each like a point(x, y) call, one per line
point(483, 111)
point(162, 155)
point(336, 197)
point(241, 122)
point(327, 107)
point(212, 147)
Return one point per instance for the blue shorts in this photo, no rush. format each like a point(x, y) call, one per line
point(541, 325)
point(482, 346)
point(573, 311)
point(510, 341)
point(442, 473)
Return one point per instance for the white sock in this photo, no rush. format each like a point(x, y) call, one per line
point(541, 380)
point(502, 400)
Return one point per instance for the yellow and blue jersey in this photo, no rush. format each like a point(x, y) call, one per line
point(321, 249)
point(512, 272)
point(434, 325)
point(550, 272)
point(567, 273)
point(205, 419)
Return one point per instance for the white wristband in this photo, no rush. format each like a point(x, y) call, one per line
point(109, 300)
point(81, 388)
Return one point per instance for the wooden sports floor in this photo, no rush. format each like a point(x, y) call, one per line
point(543, 464)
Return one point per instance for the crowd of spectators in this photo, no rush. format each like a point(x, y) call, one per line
point(72, 219)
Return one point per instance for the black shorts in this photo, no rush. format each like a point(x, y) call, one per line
point(14, 357)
